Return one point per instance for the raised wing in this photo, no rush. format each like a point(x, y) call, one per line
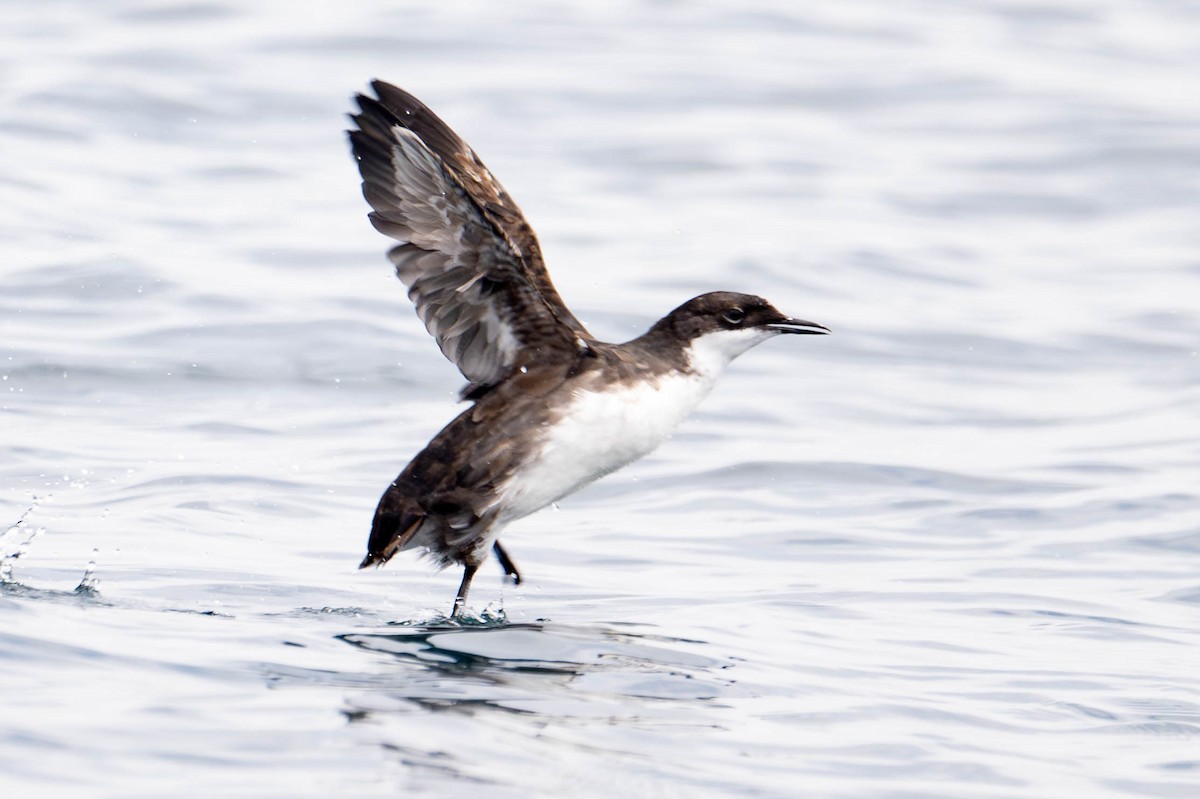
point(471, 262)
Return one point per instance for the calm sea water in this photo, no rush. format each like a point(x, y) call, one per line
point(952, 550)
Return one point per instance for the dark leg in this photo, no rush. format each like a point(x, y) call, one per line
point(460, 601)
point(506, 563)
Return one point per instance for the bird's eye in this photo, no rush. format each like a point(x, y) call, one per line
point(734, 316)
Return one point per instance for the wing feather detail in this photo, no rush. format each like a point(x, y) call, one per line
point(469, 258)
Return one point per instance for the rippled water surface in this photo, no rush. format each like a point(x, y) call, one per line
point(952, 550)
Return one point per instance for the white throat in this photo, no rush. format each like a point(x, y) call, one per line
point(709, 354)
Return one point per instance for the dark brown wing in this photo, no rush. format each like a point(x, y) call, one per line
point(471, 262)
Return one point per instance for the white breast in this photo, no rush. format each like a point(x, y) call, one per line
point(602, 431)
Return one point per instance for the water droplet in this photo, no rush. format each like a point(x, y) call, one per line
point(90, 583)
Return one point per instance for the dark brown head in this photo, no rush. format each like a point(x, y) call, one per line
point(715, 328)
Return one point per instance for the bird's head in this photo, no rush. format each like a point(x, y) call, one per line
point(717, 327)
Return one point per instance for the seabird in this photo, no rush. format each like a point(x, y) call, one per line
point(552, 407)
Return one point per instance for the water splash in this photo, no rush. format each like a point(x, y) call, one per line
point(90, 584)
point(23, 521)
point(488, 617)
point(8, 558)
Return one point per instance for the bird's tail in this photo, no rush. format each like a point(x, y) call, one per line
point(390, 533)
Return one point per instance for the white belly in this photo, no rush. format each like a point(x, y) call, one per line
point(603, 431)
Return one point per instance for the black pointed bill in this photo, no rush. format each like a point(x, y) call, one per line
point(797, 326)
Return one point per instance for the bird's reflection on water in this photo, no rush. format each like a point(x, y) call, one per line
point(539, 647)
point(533, 667)
point(441, 697)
